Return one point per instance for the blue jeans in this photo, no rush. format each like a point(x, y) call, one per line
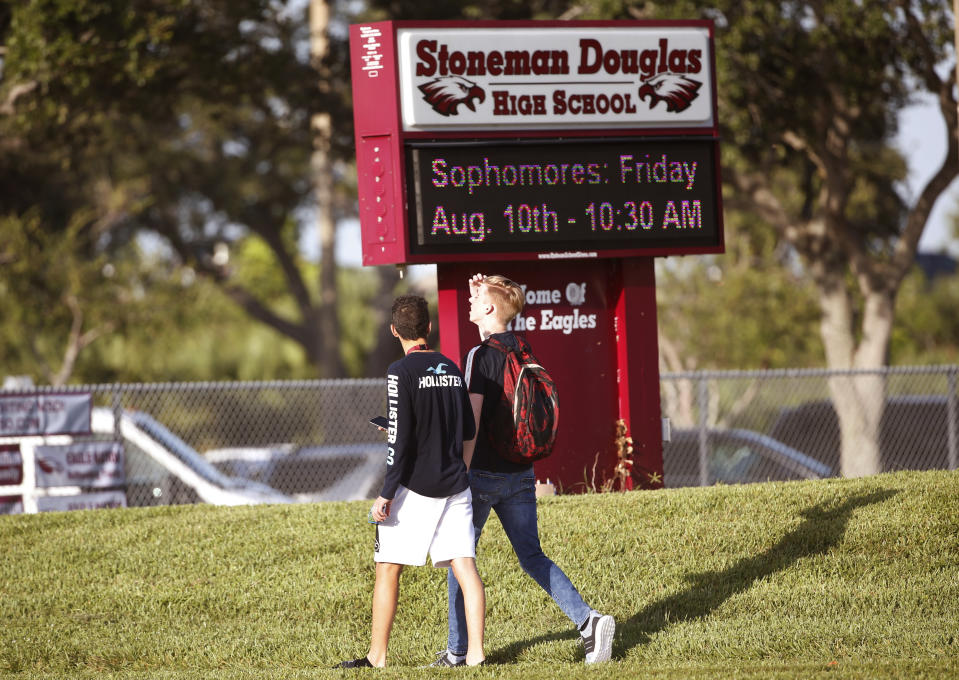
point(513, 497)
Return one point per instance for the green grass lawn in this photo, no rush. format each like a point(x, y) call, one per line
point(835, 578)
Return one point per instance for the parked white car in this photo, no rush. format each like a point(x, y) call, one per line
point(332, 472)
point(161, 469)
point(733, 456)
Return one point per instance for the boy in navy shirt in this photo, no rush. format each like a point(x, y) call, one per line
point(425, 505)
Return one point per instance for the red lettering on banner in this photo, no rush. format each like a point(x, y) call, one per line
point(442, 61)
point(435, 59)
point(506, 104)
point(592, 58)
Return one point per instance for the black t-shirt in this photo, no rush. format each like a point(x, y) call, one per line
point(429, 417)
point(484, 367)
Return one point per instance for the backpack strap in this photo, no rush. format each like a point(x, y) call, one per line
point(488, 342)
point(468, 368)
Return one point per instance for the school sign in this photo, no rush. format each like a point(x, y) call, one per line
point(540, 140)
point(570, 154)
point(555, 78)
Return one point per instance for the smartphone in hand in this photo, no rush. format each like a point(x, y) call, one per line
point(380, 422)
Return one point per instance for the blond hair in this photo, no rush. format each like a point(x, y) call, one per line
point(507, 296)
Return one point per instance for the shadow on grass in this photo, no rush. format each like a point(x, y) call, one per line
point(822, 529)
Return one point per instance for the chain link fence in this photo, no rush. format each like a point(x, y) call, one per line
point(232, 443)
point(752, 426)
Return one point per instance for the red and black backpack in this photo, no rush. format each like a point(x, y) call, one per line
point(523, 425)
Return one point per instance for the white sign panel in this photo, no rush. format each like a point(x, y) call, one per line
point(42, 414)
point(83, 501)
point(88, 464)
point(600, 77)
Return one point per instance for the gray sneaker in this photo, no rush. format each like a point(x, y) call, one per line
point(598, 637)
point(446, 659)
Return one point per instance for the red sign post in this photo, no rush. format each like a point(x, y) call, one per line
point(564, 155)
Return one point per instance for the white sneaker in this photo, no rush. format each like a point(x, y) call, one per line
point(598, 637)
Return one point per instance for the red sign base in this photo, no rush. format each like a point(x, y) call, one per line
point(592, 323)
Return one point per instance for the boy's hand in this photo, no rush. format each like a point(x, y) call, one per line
point(381, 508)
point(475, 282)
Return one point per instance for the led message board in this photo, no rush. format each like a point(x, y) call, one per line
point(562, 197)
point(535, 140)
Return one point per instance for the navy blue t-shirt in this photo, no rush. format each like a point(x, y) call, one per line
point(429, 416)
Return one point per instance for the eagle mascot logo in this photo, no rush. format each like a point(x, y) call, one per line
point(676, 90)
point(446, 93)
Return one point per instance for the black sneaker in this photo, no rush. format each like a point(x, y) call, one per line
point(598, 637)
point(362, 662)
point(446, 659)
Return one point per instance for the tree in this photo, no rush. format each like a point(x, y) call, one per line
point(202, 336)
point(746, 309)
point(927, 326)
point(809, 94)
point(749, 308)
point(189, 119)
point(321, 166)
point(51, 274)
point(816, 87)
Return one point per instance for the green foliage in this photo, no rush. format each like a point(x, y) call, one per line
point(210, 338)
point(60, 295)
point(747, 309)
point(832, 578)
point(183, 119)
point(724, 317)
point(927, 326)
point(809, 95)
point(189, 121)
point(361, 327)
point(197, 334)
point(149, 321)
point(378, 10)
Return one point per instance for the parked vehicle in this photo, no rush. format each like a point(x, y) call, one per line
point(914, 433)
point(161, 469)
point(339, 472)
point(695, 457)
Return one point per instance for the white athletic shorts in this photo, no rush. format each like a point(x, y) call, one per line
point(420, 525)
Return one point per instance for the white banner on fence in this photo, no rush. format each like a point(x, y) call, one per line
point(42, 414)
point(83, 501)
point(90, 464)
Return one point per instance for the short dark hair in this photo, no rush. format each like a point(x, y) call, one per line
point(411, 317)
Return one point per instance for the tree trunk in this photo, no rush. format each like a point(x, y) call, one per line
point(324, 325)
point(859, 399)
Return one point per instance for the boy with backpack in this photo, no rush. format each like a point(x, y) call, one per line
point(507, 484)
